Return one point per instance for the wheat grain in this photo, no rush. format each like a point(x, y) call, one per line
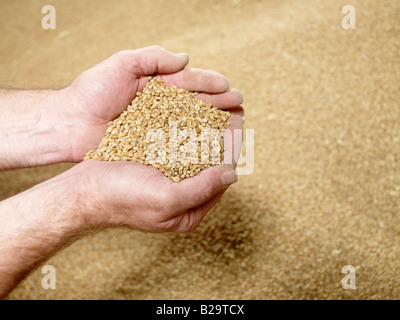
point(168, 128)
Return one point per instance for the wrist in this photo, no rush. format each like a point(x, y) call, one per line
point(55, 131)
point(87, 197)
point(34, 128)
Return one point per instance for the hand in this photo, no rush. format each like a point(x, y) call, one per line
point(100, 94)
point(131, 194)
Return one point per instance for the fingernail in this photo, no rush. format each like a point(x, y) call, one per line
point(183, 55)
point(237, 91)
point(229, 177)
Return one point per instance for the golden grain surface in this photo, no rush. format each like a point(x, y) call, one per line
point(168, 128)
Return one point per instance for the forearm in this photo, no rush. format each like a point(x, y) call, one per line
point(37, 223)
point(34, 128)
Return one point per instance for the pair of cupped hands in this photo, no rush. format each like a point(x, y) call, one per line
point(127, 193)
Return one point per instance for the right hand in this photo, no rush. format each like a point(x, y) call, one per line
point(123, 193)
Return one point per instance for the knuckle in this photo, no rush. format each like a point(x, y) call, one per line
point(156, 48)
point(166, 201)
point(120, 53)
point(190, 220)
point(187, 226)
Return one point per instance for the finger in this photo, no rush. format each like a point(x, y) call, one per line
point(194, 191)
point(224, 100)
point(197, 80)
point(190, 219)
point(151, 60)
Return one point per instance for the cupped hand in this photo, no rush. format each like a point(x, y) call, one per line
point(100, 94)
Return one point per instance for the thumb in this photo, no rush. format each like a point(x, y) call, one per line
point(195, 191)
point(151, 60)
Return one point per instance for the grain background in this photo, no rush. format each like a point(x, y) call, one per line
point(324, 104)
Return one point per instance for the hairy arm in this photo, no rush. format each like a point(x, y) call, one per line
point(34, 130)
point(95, 195)
point(35, 224)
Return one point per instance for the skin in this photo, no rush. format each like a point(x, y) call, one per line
point(51, 126)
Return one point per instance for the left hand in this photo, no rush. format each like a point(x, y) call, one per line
point(102, 93)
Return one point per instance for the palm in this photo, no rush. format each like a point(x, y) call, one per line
point(105, 91)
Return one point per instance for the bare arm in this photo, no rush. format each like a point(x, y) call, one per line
point(35, 224)
point(33, 129)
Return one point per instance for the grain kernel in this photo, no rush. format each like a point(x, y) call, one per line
point(157, 107)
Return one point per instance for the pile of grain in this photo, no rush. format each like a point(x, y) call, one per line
point(168, 128)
